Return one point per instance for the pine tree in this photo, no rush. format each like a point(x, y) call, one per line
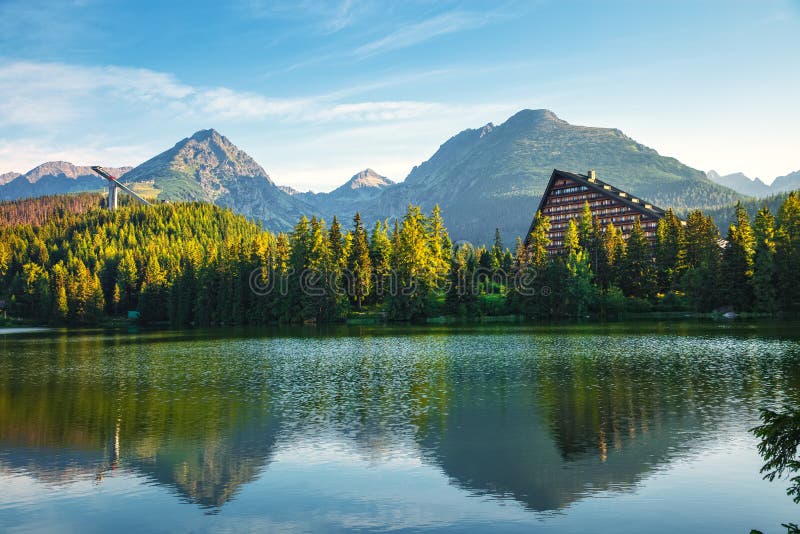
point(637, 270)
point(497, 252)
point(281, 257)
point(337, 246)
point(610, 250)
point(535, 254)
point(763, 280)
point(531, 264)
point(127, 278)
point(36, 292)
point(360, 264)
point(5, 257)
point(80, 293)
point(572, 243)
point(670, 251)
point(702, 259)
point(153, 304)
point(417, 269)
point(115, 296)
point(787, 253)
point(440, 245)
point(60, 311)
point(380, 254)
point(462, 294)
point(578, 283)
point(737, 262)
point(96, 304)
point(586, 235)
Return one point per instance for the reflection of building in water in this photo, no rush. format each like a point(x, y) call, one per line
point(509, 450)
point(572, 431)
point(543, 428)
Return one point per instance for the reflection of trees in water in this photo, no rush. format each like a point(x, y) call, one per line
point(573, 417)
point(95, 404)
point(196, 417)
point(542, 419)
point(598, 399)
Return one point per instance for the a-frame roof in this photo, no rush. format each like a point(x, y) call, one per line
point(624, 197)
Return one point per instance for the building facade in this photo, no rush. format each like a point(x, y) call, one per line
point(567, 193)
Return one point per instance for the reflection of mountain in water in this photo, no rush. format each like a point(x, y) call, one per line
point(207, 468)
point(506, 447)
point(564, 422)
point(211, 466)
point(543, 419)
point(54, 465)
point(174, 423)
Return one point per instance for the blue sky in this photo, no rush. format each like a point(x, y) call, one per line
point(316, 91)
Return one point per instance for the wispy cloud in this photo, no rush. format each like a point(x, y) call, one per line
point(78, 92)
point(21, 155)
point(404, 35)
point(123, 115)
point(327, 16)
point(419, 32)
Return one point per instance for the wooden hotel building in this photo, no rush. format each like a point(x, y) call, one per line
point(566, 194)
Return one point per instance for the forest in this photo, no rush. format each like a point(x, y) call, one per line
point(66, 261)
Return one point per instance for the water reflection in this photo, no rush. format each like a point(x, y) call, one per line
point(544, 417)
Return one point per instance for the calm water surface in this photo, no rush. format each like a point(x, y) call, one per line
point(619, 428)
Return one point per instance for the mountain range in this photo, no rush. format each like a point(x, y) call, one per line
point(494, 176)
point(754, 187)
point(482, 178)
point(51, 178)
point(354, 195)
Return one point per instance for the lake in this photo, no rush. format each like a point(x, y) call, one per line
point(567, 428)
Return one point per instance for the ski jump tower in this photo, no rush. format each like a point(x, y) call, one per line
point(114, 186)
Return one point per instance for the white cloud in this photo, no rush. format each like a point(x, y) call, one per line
point(21, 155)
point(118, 115)
point(40, 94)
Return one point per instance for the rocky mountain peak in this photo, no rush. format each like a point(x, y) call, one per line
point(8, 176)
point(205, 135)
point(368, 178)
point(208, 167)
point(66, 169)
point(208, 157)
point(534, 116)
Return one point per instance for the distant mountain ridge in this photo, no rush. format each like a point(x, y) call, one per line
point(487, 177)
point(789, 182)
point(53, 177)
point(363, 182)
point(740, 183)
point(356, 194)
point(745, 185)
point(8, 176)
